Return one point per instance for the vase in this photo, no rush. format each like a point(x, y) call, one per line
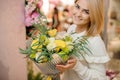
point(49, 68)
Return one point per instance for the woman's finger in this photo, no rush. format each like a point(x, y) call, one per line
point(60, 68)
point(72, 61)
point(67, 66)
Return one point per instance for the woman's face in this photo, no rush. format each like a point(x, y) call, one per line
point(81, 15)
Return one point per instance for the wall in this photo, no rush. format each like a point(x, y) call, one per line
point(12, 37)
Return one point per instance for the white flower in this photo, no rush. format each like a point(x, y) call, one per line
point(51, 46)
point(37, 55)
point(52, 40)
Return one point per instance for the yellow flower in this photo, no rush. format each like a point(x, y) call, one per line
point(32, 55)
point(52, 33)
point(63, 55)
point(46, 41)
point(42, 38)
point(43, 59)
point(66, 50)
point(68, 38)
point(35, 45)
point(60, 43)
point(49, 78)
point(57, 49)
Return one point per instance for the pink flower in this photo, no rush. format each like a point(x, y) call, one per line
point(30, 8)
point(28, 20)
point(31, 19)
point(35, 16)
point(31, 15)
point(39, 4)
point(30, 0)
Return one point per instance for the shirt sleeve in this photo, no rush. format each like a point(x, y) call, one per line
point(96, 61)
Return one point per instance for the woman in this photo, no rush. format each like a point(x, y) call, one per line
point(88, 21)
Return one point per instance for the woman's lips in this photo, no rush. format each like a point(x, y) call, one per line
point(76, 18)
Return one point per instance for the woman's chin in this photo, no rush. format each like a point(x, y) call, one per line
point(77, 23)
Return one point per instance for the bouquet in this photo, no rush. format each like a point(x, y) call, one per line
point(48, 48)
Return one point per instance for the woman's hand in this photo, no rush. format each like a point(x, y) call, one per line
point(70, 64)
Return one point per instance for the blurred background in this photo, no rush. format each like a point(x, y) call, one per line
point(14, 34)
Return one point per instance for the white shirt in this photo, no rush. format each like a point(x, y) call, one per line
point(94, 68)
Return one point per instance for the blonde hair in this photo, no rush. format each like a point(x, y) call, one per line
point(96, 17)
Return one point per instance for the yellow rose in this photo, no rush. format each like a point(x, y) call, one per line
point(60, 43)
point(35, 45)
point(52, 33)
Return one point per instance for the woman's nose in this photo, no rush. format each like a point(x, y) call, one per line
point(78, 13)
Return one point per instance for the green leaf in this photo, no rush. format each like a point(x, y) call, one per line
point(27, 51)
